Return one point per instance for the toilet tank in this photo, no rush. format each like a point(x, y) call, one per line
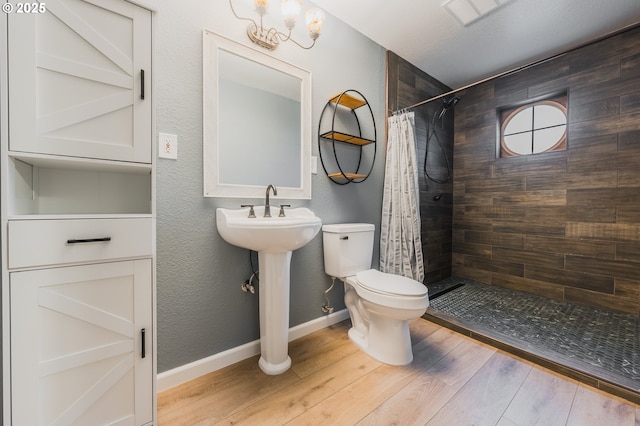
point(348, 248)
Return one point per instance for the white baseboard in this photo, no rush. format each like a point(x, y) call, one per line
point(184, 373)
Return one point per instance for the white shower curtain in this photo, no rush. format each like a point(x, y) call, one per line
point(400, 242)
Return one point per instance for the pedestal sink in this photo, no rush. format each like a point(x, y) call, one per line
point(274, 238)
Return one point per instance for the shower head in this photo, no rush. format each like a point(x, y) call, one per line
point(451, 102)
point(447, 105)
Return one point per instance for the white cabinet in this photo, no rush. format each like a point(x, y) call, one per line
point(35, 243)
point(80, 80)
point(80, 345)
point(77, 174)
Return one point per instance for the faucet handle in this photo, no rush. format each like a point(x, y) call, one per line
point(252, 212)
point(282, 206)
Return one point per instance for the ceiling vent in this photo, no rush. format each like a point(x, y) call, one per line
point(469, 11)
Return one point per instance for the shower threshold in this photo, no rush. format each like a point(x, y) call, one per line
point(595, 346)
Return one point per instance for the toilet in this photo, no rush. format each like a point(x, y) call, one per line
point(380, 304)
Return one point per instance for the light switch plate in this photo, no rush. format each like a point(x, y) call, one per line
point(314, 165)
point(168, 146)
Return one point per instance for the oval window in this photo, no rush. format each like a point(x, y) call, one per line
point(534, 128)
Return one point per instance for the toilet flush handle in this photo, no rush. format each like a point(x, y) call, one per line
point(344, 237)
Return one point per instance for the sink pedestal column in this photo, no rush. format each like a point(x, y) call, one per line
point(274, 311)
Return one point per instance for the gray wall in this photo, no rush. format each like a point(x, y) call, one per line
point(201, 310)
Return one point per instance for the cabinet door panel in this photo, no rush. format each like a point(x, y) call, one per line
point(75, 345)
point(75, 74)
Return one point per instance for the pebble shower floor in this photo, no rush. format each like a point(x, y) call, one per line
point(601, 343)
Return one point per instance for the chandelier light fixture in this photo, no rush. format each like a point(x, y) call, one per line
point(270, 38)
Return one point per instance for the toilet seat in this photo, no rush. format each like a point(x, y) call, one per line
point(389, 290)
point(390, 284)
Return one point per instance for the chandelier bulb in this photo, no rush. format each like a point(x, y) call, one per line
point(290, 11)
point(314, 18)
point(262, 7)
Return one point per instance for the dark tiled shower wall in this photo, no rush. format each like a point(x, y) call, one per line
point(564, 225)
point(407, 85)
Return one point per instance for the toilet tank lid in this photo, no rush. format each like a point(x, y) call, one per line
point(341, 228)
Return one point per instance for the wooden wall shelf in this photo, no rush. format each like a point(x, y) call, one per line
point(346, 138)
point(352, 100)
point(347, 175)
point(348, 101)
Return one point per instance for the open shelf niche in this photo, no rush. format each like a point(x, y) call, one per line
point(340, 122)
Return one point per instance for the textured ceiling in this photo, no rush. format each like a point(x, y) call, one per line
point(517, 33)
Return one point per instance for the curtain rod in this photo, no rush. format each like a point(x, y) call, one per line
point(520, 68)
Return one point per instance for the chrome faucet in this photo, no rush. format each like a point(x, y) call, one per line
point(267, 207)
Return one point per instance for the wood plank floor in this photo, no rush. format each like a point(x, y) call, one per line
point(453, 380)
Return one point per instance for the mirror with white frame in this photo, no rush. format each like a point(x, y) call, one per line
point(257, 122)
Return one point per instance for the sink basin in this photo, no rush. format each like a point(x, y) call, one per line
point(268, 234)
point(274, 238)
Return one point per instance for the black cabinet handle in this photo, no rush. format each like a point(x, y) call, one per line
point(141, 84)
point(89, 240)
point(143, 352)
